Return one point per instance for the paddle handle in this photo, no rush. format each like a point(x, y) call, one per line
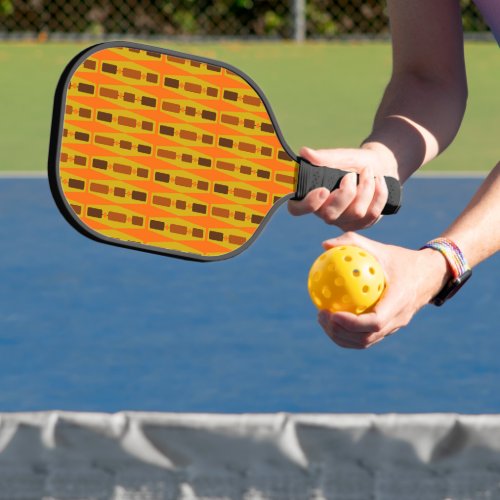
point(311, 177)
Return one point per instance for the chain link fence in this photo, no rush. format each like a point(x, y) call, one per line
point(286, 19)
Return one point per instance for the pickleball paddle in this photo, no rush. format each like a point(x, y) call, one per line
point(170, 153)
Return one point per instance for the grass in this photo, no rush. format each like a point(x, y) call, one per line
point(323, 94)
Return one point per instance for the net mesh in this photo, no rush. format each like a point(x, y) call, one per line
point(161, 456)
point(205, 18)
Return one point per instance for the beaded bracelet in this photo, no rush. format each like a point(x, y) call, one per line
point(459, 267)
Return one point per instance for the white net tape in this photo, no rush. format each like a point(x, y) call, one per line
point(160, 456)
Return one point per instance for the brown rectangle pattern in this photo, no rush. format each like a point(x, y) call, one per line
point(122, 169)
point(165, 153)
point(105, 92)
point(131, 73)
point(242, 193)
point(188, 135)
point(126, 121)
point(162, 201)
point(76, 184)
point(216, 236)
point(183, 181)
point(104, 117)
point(94, 212)
point(107, 141)
point(285, 178)
point(117, 217)
point(99, 188)
point(139, 196)
point(220, 212)
point(193, 87)
point(176, 229)
point(156, 224)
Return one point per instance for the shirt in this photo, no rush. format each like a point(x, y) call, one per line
point(490, 9)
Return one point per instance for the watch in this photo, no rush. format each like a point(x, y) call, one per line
point(460, 270)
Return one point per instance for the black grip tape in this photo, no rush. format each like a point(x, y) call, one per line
point(312, 177)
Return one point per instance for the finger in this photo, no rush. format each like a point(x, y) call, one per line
point(362, 324)
point(338, 201)
point(380, 196)
point(311, 203)
point(362, 340)
point(344, 344)
point(342, 340)
point(365, 191)
point(373, 325)
point(338, 334)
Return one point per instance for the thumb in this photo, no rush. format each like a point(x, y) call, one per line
point(349, 238)
point(352, 159)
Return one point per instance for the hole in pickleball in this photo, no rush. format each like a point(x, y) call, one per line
point(366, 289)
point(356, 273)
point(339, 281)
point(327, 293)
point(346, 299)
point(317, 300)
point(362, 254)
point(348, 258)
point(372, 270)
point(316, 276)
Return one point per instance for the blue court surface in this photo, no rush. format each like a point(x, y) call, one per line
point(90, 327)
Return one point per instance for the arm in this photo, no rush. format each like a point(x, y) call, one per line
point(415, 277)
point(419, 114)
point(424, 103)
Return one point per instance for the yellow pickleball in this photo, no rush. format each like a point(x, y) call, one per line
point(346, 278)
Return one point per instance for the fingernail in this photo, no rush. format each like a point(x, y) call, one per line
point(324, 194)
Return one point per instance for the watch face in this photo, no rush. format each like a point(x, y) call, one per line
point(451, 288)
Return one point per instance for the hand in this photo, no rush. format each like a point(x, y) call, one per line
point(413, 278)
point(351, 206)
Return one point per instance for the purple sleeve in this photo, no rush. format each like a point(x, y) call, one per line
point(490, 9)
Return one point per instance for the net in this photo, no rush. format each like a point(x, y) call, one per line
point(159, 456)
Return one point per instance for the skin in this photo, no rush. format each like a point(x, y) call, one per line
point(414, 277)
point(418, 117)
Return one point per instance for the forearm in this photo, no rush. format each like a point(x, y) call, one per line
point(477, 230)
point(424, 102)
point(416, 121)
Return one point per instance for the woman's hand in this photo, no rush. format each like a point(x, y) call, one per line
point(350, 206)
point(413, 278)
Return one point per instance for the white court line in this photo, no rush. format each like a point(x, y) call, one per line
point(11, 174)
point(455, 174)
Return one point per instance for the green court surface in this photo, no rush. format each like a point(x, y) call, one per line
point(323, 95)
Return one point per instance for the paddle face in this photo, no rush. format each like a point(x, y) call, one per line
point(164, 152)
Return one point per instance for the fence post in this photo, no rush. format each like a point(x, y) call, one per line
point(299, 20)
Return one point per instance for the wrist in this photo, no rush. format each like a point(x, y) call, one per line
point(385, 155)
point(437, 272)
